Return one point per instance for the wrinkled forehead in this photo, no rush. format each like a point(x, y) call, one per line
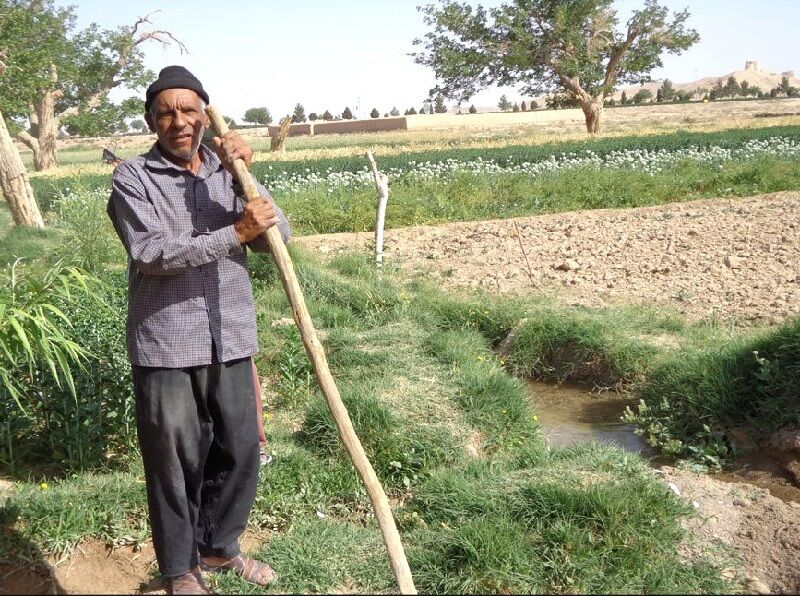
point(177, 98)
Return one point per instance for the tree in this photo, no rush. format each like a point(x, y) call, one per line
point(327, 116)
point(642, 96)
point(313, 117)
point(472, 109)
point(394, 112)
point(258, 116)
point(731, 88)
point(744, 87)
point(534, 105)
point(139, 125)
point(515, 107)
point(438, 104)
point(411, 111)
point(523, 106)
point(374, 113)
point(347, 114)
point(14, 181)
point(547, 46)
point(717, 91)
point(58, 72)
point(104, 120)
point(504, 104)
point(667, 91)
point(299, 114)
point(624, 99)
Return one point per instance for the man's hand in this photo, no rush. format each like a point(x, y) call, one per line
point(258, 215)
point(231, 147)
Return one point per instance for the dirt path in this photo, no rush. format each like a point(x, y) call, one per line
point(733, 258)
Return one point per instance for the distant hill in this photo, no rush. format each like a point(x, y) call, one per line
point(755, 77)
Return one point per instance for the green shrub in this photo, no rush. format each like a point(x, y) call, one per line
point(88, 238)
point(692, 400)
point(87, 421)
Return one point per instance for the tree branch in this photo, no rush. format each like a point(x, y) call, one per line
point(612, 68)
point(165, 38)
point(30, 142)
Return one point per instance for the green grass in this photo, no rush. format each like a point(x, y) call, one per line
point(420, 379)
point(691, 400)
point(18, 242)
point(533, 153)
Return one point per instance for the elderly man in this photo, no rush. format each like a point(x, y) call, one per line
point(191, 333)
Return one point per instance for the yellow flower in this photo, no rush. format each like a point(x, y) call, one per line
point(481, 358)
point(43, 486)
point(535, 417)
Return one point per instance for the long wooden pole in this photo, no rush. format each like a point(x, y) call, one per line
point(316, 354)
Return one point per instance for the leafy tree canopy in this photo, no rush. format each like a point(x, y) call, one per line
point(547, 46)
point(45, 52)
point(105, 119)
point(258, 116)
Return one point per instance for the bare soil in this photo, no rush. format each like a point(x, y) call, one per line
point(747, 520)
point(726, 258)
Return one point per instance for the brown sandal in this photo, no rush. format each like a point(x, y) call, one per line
point(248, 569)
point(190, 582)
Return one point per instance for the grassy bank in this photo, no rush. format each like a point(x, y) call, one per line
point(421, 380)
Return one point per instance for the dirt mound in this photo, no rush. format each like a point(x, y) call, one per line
point(729, 258)
point(763, 530)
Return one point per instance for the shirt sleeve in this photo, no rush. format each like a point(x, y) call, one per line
point(260, 244)
point(151, 249)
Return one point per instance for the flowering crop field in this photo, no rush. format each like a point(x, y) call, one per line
point(452, 184)
point(651, 161)
point(510, 155)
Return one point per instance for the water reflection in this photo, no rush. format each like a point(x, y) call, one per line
point(572, 414)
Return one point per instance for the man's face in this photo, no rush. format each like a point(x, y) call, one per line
point(178, 118)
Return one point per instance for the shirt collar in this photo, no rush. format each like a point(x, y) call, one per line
point(155, 159)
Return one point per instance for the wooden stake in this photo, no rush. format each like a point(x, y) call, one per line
point(382, 186)
point(316, 354)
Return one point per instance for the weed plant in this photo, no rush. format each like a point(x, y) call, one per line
point(691, 401)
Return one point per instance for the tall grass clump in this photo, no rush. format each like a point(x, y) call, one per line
point(36, 347)
point(560, 346)
point(88, 238)
point(558, 527)
point(67, 400)
point(693, 399)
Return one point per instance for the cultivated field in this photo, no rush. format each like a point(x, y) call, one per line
point(655, 267)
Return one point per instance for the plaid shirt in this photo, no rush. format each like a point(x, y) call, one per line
point(189, 292)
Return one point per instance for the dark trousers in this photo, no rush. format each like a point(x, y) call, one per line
point(199, 441)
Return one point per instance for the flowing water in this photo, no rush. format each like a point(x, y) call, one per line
point(572, 414)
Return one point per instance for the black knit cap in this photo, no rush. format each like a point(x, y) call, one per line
point(174, 77)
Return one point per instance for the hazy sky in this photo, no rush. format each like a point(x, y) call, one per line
point(328, 55)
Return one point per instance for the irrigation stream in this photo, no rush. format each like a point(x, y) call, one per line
point(572, 414)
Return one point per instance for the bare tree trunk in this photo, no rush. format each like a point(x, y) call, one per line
point(15, 183)
point(382, 186)
point(278, 142)
point(43, 143)
point(593, 112)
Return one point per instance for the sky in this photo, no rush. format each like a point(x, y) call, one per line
point(355, 53)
